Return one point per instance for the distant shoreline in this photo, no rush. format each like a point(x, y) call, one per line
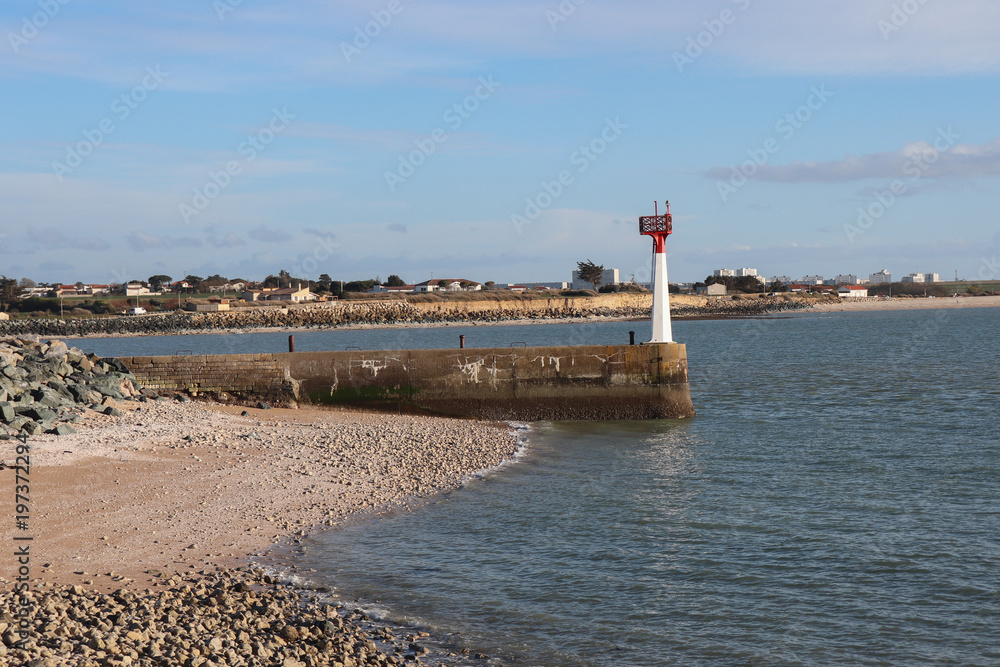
point(682, 310)
point(918, 303)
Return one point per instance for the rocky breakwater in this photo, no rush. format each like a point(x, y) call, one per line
point(206, 620)
point(45, 386)
point(398, 311)
point(738, 306)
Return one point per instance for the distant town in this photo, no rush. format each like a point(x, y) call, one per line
point(162, 292)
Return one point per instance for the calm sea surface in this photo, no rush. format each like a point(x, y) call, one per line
point(835, 502)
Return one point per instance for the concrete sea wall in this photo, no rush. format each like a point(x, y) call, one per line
point(594, 382)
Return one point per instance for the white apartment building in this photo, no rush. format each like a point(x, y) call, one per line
point(932, 278)
point(913, 278)
point(811, 280)
point(883, 277)
point(723, 273)
point(846, 279)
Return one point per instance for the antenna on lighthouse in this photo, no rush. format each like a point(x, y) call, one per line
point(659, 227)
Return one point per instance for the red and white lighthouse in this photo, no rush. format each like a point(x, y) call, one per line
point(659, 227)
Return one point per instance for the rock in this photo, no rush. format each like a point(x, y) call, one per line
point(63, 429)
point(112, 412)
point(183, 399)
point(7, 413)
point(263, 406)
point(32, 427)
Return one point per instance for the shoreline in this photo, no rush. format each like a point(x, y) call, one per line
point(894, 303)
point(919, 303)
point(175, 492)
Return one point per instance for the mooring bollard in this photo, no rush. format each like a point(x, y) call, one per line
point(291, 343)
point(631, 338)
point(461, 341)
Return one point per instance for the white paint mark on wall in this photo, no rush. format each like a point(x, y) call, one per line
point(471, 370)
point(553, 361)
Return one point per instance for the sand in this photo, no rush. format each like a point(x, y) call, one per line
point(902, 303)
point(173, 487)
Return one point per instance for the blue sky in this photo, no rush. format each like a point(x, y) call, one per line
point(496, 141)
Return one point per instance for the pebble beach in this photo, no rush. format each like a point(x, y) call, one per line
point(170, 500)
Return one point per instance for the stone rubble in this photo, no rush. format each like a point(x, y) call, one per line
point(239, 618)
point(45, 386)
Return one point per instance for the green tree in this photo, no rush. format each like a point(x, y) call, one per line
point(359, 285)
point(215, 281)
point(324, 282)
point(157, 282)
point(27, 282)
point(489, 284)
point(590, 272)
point(10, 291)
point(394, 281)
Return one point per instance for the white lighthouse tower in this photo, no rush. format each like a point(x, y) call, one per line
point(659, 227)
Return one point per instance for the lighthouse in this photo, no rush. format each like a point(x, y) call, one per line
point(659, 227)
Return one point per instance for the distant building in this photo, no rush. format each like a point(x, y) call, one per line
point(609, 277)
point(256, 294)
point(846, 279)
point(545, 285)
point(913, 278)
point(811, 280)
point(212, 306)
point(724, 273)
point(932, 278)
point(136, 289)
point(784, 280)
point(297, 294)
point(447, 285)
point(715, 289)
point(393, 288)
point(852, 292)
point(883, 277)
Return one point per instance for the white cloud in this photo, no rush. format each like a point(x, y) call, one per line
point(302, 42)
point(268, 235)
point(914, 161)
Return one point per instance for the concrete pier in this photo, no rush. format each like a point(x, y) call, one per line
point(595, 382)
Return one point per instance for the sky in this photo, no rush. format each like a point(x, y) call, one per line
point(500, 141)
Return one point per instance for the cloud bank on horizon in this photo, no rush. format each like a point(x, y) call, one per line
point(496, 141)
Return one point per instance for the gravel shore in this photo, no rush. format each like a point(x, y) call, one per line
point(168, 490)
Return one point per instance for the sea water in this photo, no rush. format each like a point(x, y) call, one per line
point(836, 502)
